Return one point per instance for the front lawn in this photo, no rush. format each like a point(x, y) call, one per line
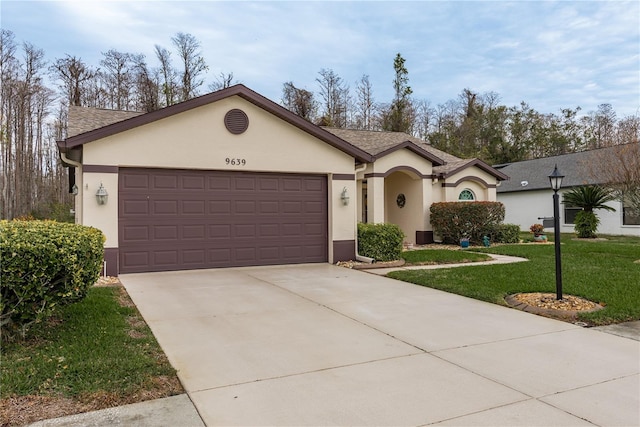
point(94, 354)
point(603, 271)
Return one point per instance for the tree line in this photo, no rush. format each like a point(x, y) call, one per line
point(35, 94)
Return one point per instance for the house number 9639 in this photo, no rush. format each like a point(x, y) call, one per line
point(235, 162)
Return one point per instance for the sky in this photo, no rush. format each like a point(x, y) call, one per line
point(549, 54)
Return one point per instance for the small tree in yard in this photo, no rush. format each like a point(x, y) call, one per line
point(589, 198)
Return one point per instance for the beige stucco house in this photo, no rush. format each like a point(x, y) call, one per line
point(232, 179)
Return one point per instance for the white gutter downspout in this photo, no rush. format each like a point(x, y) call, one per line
point(65, 159)
point(78, 165)
point(359, 257)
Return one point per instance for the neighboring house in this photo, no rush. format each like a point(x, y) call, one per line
point(233, 179)
point(528, 195)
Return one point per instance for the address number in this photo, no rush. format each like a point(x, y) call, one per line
point(235, 162)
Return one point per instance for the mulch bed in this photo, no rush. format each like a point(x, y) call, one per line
point(546, 304)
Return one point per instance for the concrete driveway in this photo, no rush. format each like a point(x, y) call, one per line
point(324, 345)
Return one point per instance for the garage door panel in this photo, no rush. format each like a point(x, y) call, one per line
point(194, 232)
point(193, 183)
point(292, 184)
point(268, 184)
point(194, 256)
point(165, 182)
point(313, 185)
point(243, 183)
point(193, 207)
point(268, 230)
point(208, 219)
point(134, 259)
point(222, 207)
point(219, 183)
point(135, 233)
point(134, 207)
point(244, 207)
point(132, 182)
point(314, 207)
point(268, 207)
point(165, 232)
point(164, 207)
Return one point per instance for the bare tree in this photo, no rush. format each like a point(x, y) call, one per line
point(168, 74)
point(147, 84)
point(299, 101)
point(25, 162)
point(223, 81)
point(628, 130)
point(364, 104)
point(622, 171)
point(425, 118)
point(335, 96)
point(73, 75)
point(193, 64)
point(118, 78)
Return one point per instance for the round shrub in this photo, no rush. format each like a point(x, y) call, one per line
point(382, 242)
point(44, 264)
point(506, 233)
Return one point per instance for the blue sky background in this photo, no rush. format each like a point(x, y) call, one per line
point(551, 54)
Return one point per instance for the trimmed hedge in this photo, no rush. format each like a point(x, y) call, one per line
point(44, 264)
point(455, 220)
point(382, 242)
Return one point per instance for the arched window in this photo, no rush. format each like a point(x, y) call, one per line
point(466, 195)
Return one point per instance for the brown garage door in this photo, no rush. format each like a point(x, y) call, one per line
point(184, 219)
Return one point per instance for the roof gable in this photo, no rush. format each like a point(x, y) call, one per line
point(455, 167)
point(382, 143)
point(135, 120)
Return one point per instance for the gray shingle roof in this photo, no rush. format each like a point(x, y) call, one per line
point(578, 169)
point(376, 142)
point(84, 119)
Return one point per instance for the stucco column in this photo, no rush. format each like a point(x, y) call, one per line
point(375, 200)
point(427, 200)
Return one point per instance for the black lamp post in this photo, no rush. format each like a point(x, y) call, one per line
point(556, 181)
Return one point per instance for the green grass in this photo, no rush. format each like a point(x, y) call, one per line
point(601, 271)
point(441, 256)
point(95, 346)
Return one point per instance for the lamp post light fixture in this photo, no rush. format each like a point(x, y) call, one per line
point(102, 195)
point(555, 179)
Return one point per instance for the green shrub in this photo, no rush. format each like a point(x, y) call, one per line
point(454, 220)
point(44, 264)
point(382, 242)
point(586, 224)
point(506, 233)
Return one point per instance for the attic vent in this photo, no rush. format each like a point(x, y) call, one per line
point(236, 121)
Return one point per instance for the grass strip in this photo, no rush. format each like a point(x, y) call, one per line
point(441, 256)
point(603, 271)
point(98, 346)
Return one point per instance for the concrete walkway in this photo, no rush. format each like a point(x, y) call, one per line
point(324, 345)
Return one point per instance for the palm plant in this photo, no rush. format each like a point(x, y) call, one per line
point(589, 198)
